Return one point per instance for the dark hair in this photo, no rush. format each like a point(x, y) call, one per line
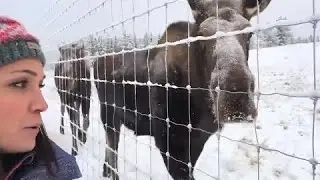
point(43, 152)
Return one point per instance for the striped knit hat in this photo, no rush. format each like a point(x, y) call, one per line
point(16, 43)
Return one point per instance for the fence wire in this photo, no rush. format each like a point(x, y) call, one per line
point(313, 94)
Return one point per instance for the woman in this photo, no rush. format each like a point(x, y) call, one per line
point(26, 152)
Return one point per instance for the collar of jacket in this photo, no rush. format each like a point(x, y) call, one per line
point(67, 166)
point(27, 159)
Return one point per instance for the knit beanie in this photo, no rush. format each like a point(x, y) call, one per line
point(16, 43)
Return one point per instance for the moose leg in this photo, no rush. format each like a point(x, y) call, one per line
point(77, 120)
point(171, 139)
point(62, 110)
point(73, 125)
point(103, 114)
point(197, 142)
point(178, 149)
point(112, 139)
point(199, 138)
point(111, 167)
point(85, 107)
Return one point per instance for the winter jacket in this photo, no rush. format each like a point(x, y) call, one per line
point(28, 169)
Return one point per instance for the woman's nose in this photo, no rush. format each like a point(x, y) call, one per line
point(39, 103)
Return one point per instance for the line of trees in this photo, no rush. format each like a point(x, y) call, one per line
point(278, 36)
point(100, 45)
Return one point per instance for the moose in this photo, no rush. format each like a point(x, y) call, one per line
point(184, 89)
point(73, 90)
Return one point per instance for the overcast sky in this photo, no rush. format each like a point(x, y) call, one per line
point(38, 16)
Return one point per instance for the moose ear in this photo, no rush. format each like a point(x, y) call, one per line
point(195, 14)
point(192, 4)
point(251, 7)
point(198, 10)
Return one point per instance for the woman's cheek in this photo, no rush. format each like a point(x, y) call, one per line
point(13, 108)
point(12, 113)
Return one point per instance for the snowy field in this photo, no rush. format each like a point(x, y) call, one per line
point(284, 125)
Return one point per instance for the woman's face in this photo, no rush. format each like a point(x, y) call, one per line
point(21, 102)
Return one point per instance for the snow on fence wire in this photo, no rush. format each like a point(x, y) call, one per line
point(314, 94)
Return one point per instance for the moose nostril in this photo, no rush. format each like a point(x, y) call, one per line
point(251, 118)
point(238, 119)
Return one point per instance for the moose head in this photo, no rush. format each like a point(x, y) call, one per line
point(230, 74)
point(73, 51)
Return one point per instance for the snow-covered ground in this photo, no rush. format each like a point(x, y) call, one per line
point(284, 125)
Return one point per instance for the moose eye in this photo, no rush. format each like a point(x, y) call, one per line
point(250, 35)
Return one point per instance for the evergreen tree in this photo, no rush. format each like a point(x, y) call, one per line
point(100, 45)
point(127, 41)
point(298, 40)
point(284, 35)
point(146, 40)
point(271, 38)
point(150, 38)
point(115, 42)
point(91, 43)
point(134, 41)
point(266, 38)
point(310, 38)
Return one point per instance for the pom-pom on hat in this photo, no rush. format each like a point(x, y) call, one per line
point(16, 43)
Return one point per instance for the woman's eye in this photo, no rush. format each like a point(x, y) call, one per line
point(20, 84)
point(41, 85)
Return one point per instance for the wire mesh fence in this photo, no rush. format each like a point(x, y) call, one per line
point(177, 82)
